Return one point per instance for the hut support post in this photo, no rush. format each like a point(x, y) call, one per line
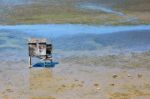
point(30, 62)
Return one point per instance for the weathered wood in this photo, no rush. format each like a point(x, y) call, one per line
point(37, 40)
point(39, 48)
point(30, 62)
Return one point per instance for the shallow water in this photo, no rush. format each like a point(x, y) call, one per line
point(74, 37)
point(14, 2)
point(56, 30)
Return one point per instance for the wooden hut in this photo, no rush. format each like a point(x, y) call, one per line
point(39, 47)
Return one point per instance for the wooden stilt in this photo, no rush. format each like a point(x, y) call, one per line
point(30, 62)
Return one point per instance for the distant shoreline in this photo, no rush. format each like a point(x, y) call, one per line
point(61, 12)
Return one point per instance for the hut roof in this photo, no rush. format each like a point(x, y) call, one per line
point(37, 40)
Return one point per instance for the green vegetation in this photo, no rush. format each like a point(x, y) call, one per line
point(64, 11)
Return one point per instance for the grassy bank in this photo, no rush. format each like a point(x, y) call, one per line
point(64, 11)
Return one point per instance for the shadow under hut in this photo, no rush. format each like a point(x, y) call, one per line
point(39, 48)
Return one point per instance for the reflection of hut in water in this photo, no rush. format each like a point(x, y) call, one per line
point(39, 48)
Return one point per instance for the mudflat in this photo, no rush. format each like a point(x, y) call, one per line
point(75, 80)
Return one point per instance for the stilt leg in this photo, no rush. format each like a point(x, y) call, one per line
point(30, 62)
point(51, 59)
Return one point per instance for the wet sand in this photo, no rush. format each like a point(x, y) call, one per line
point(123, 76)
point(108, 71)
point(73, 81)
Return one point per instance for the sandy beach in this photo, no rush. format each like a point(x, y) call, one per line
point(101, 49)
point(73, 81)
